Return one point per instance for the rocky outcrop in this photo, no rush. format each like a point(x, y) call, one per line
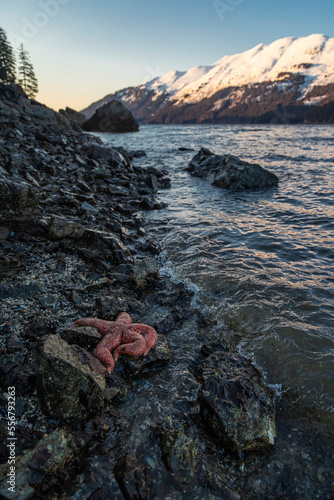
point(112, 117)
point(229, 172)
point(75, 118)
point(236, 403)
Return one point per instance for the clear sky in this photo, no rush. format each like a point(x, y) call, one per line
point(84, 49)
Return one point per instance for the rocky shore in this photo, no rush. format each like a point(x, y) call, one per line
point(180, 423)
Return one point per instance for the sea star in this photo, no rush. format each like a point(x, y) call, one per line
point(122, 335)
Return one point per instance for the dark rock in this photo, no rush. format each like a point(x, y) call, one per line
point(111, 155)
point(52, 460)
point(118, 190)
point(4, 233)
point(16, 195)
point(140, 153)
point(144, 271)
point(236, 403)
point(152, 183)
point(230, 172)
point(60, 227)
point(112, 117)
point(87, 207)
point(72, 380)
point(180, 452)
point(75, 118)
point(110, 307)
point(158, 357)
point(83, 336)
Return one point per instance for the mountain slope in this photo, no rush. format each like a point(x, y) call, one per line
point(252, 86)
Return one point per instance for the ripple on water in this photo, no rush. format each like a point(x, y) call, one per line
point(261, 263)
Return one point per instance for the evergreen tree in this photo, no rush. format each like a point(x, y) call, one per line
point(7, 60)
point(27, 77)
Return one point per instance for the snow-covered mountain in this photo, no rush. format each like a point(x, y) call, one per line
point(292, 74)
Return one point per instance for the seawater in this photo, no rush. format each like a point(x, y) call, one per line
point(261, 262)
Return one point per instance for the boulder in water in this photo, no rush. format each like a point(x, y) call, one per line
point(230, 172)
point(236, 403)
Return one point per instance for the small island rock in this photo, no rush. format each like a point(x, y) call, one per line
point(230, 172)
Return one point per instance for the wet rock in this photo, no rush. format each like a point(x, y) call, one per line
point(135, 478)
point(144, 271)
point(220, 483)
point(229, 172)
point(140, 153)
point(72, 381)
point(156, 359)
point(236, 403)
point(52, 461)
point(152, 183)
point(16, 195)
point(179, 451)
point(112, 117)
point(83, 336)
point(60, 227)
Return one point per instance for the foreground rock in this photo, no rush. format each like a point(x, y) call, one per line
point(229, 172)
point(73, 381)
point(236, 403)
point(54, 456)
point(112, 117)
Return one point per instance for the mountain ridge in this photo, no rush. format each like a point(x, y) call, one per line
point(290, 72)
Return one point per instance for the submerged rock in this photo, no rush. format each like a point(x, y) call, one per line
point(180, 452)
point(72, 380)
point(112, 117)
point(236, 403)
point(230, 172)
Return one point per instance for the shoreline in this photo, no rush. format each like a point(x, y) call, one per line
point(77, 248)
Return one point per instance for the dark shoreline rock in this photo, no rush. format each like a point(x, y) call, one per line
point(229, 172)
point(236, 403)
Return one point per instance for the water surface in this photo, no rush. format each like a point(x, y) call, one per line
point(261, 262)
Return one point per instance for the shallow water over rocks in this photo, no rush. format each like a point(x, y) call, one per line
point(260, 262)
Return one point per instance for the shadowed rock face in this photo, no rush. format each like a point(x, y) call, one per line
point(112, 117)
point(236, 403)
point(230, 172)
point(73, 381)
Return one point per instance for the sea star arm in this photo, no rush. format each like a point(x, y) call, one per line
point(149, 333)
point(102, 325)
point(124, 318)
point(104, 348)
point(133, 344)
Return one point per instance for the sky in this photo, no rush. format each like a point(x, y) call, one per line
point(83, 50)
